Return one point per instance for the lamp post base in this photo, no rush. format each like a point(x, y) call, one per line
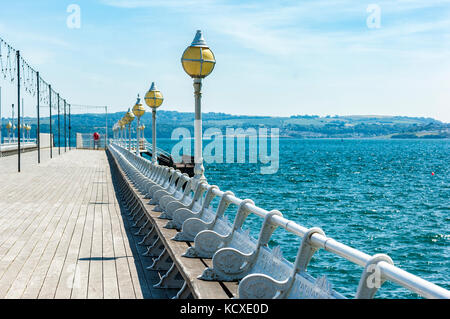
point(199, 176)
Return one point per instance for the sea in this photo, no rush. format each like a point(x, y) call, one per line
point(376, 195)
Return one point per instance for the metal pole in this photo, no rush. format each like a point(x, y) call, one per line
point(1, 122)
point(18, 110)
point(69, 128)
point(23, 124)
point(65, 137)
point(59, 131)
point(154, 155)
point(129, 136)
point(38, 132)
point(106, 127)
point(137, 137)
point(51, 132)
point(13, 133)
point(198, 156)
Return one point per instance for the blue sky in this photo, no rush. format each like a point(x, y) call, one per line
point(273, 57)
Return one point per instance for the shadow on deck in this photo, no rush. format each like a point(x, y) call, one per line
point(147, 278)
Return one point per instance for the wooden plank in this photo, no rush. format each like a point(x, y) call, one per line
point(124, 278)
point(63, 235)
point(137, 270)
point(110, 282)
point(67, 278)
point(80, 291)
point(190, 268)
point(56, 230)
point(50, 238)
point(95, 283)
point(142, 279)
point(16, 214)
point(30, 240)
point(53, 275)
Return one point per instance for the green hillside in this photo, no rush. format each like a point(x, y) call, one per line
point(298, 126)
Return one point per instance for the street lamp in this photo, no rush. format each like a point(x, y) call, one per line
point(125, 122)
point(138, 111)
point(198, 62)
point(129, 118)
point(154, 99)
point(121, 126)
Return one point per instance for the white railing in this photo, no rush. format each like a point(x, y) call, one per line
point(147, 145)
point(86, 141)
point(316, 238)
point(14, 141)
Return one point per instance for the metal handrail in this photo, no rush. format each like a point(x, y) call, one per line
point(149, 146)
point(388, 271)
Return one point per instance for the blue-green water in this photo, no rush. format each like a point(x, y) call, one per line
point(378, 196)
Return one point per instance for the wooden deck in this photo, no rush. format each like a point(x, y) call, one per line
point(63, 234)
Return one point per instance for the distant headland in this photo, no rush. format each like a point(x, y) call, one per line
point(296, 126)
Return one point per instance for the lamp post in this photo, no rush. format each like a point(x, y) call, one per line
point(118, 132)
point(121, 126)
point(154, 99)
point(125, 123)
point(138, 111)
point(125, 132)
point(129, 117)
point(198, 62)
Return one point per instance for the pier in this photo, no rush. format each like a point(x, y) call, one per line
point(104, 222)
point(62, 233)
point(81, 225)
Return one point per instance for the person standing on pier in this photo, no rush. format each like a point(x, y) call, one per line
point(96, 139)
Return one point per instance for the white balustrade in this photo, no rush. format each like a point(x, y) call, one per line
point(262, 272)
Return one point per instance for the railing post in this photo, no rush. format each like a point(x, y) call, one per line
point(371, 278)
point(65, 137)
point(50, 107)
point(69, 128)
point(59, 131)
point(38, 131)
point(18, 110)
point(106, 128)
point(1, 122)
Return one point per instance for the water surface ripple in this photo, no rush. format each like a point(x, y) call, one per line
point(378, 196)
